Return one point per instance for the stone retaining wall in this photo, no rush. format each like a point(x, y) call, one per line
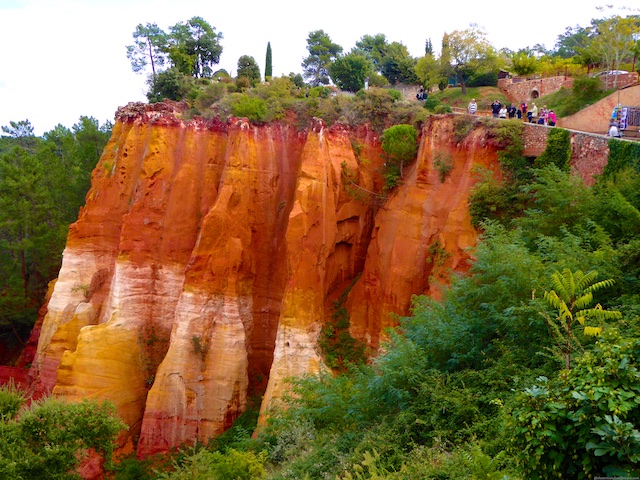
point(518, 89)
point(589, 152)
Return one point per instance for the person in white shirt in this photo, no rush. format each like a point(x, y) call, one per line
point(613, 131)
point(473, 107)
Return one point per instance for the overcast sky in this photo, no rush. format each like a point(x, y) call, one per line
point(60, 59)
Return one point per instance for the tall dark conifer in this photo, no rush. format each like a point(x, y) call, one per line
point(268, 68)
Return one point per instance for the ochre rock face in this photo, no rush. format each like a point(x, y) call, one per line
point(423, 232)
point(201, 269)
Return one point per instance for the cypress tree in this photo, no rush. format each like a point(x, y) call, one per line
point(268, 69)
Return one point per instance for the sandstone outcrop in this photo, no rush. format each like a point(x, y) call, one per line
point(200, 270)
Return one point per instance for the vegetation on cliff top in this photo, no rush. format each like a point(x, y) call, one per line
point(466, 59)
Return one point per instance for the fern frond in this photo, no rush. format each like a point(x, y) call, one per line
point(592, 331)
point(600, 313)
point(570, 281)
point(583, 301)
point(584, 280)
point(559, 284)
point(602, 284)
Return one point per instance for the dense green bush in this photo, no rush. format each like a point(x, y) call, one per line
point(432, 102)
point(209, 95)
point(206, 465)
point(584, 422)
point(170, 84)
point(400, 146)
point(49, 439)
point(253, 108)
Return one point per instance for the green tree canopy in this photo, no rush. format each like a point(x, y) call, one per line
point(398, 65)
point(247, 67)
point(400, 144)
point(524, 62)
point(322, 51)
point(374, 47)
point(42, 186)
point(464, 52)
point(613, 42)
point(572, 42)
point(22, 131)
point(428, 71)
point(349, 71)
point(194, 47)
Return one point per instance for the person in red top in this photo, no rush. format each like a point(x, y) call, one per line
point(551, 118)
point(523, 109)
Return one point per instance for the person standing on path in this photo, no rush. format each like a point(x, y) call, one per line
point(533, 113)
point(473, 107)
point(495, 108)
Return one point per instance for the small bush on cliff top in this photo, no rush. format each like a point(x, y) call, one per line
point(244, 105)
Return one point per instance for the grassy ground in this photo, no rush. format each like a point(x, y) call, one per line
point(484, 96)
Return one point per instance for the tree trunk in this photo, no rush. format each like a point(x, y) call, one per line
point(153, 66)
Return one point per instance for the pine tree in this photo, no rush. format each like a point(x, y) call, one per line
point(268, 69)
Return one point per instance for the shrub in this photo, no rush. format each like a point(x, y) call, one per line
point(491, 199)
point(586, 421)
point(11, 400)
point(210, 95)
point(242, 84)
point(400, 144)
point(432, 102)
point(250, 107)
point(205, 465)
point(395, 95)
point(319, 92)
point(587, 88)
point(442, 108)
point(443, 163)
point(50, 439)
point(169, 84)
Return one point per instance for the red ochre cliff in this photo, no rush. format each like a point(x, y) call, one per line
point(200, 270)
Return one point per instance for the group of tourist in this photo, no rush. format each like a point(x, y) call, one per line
point(523, 111)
